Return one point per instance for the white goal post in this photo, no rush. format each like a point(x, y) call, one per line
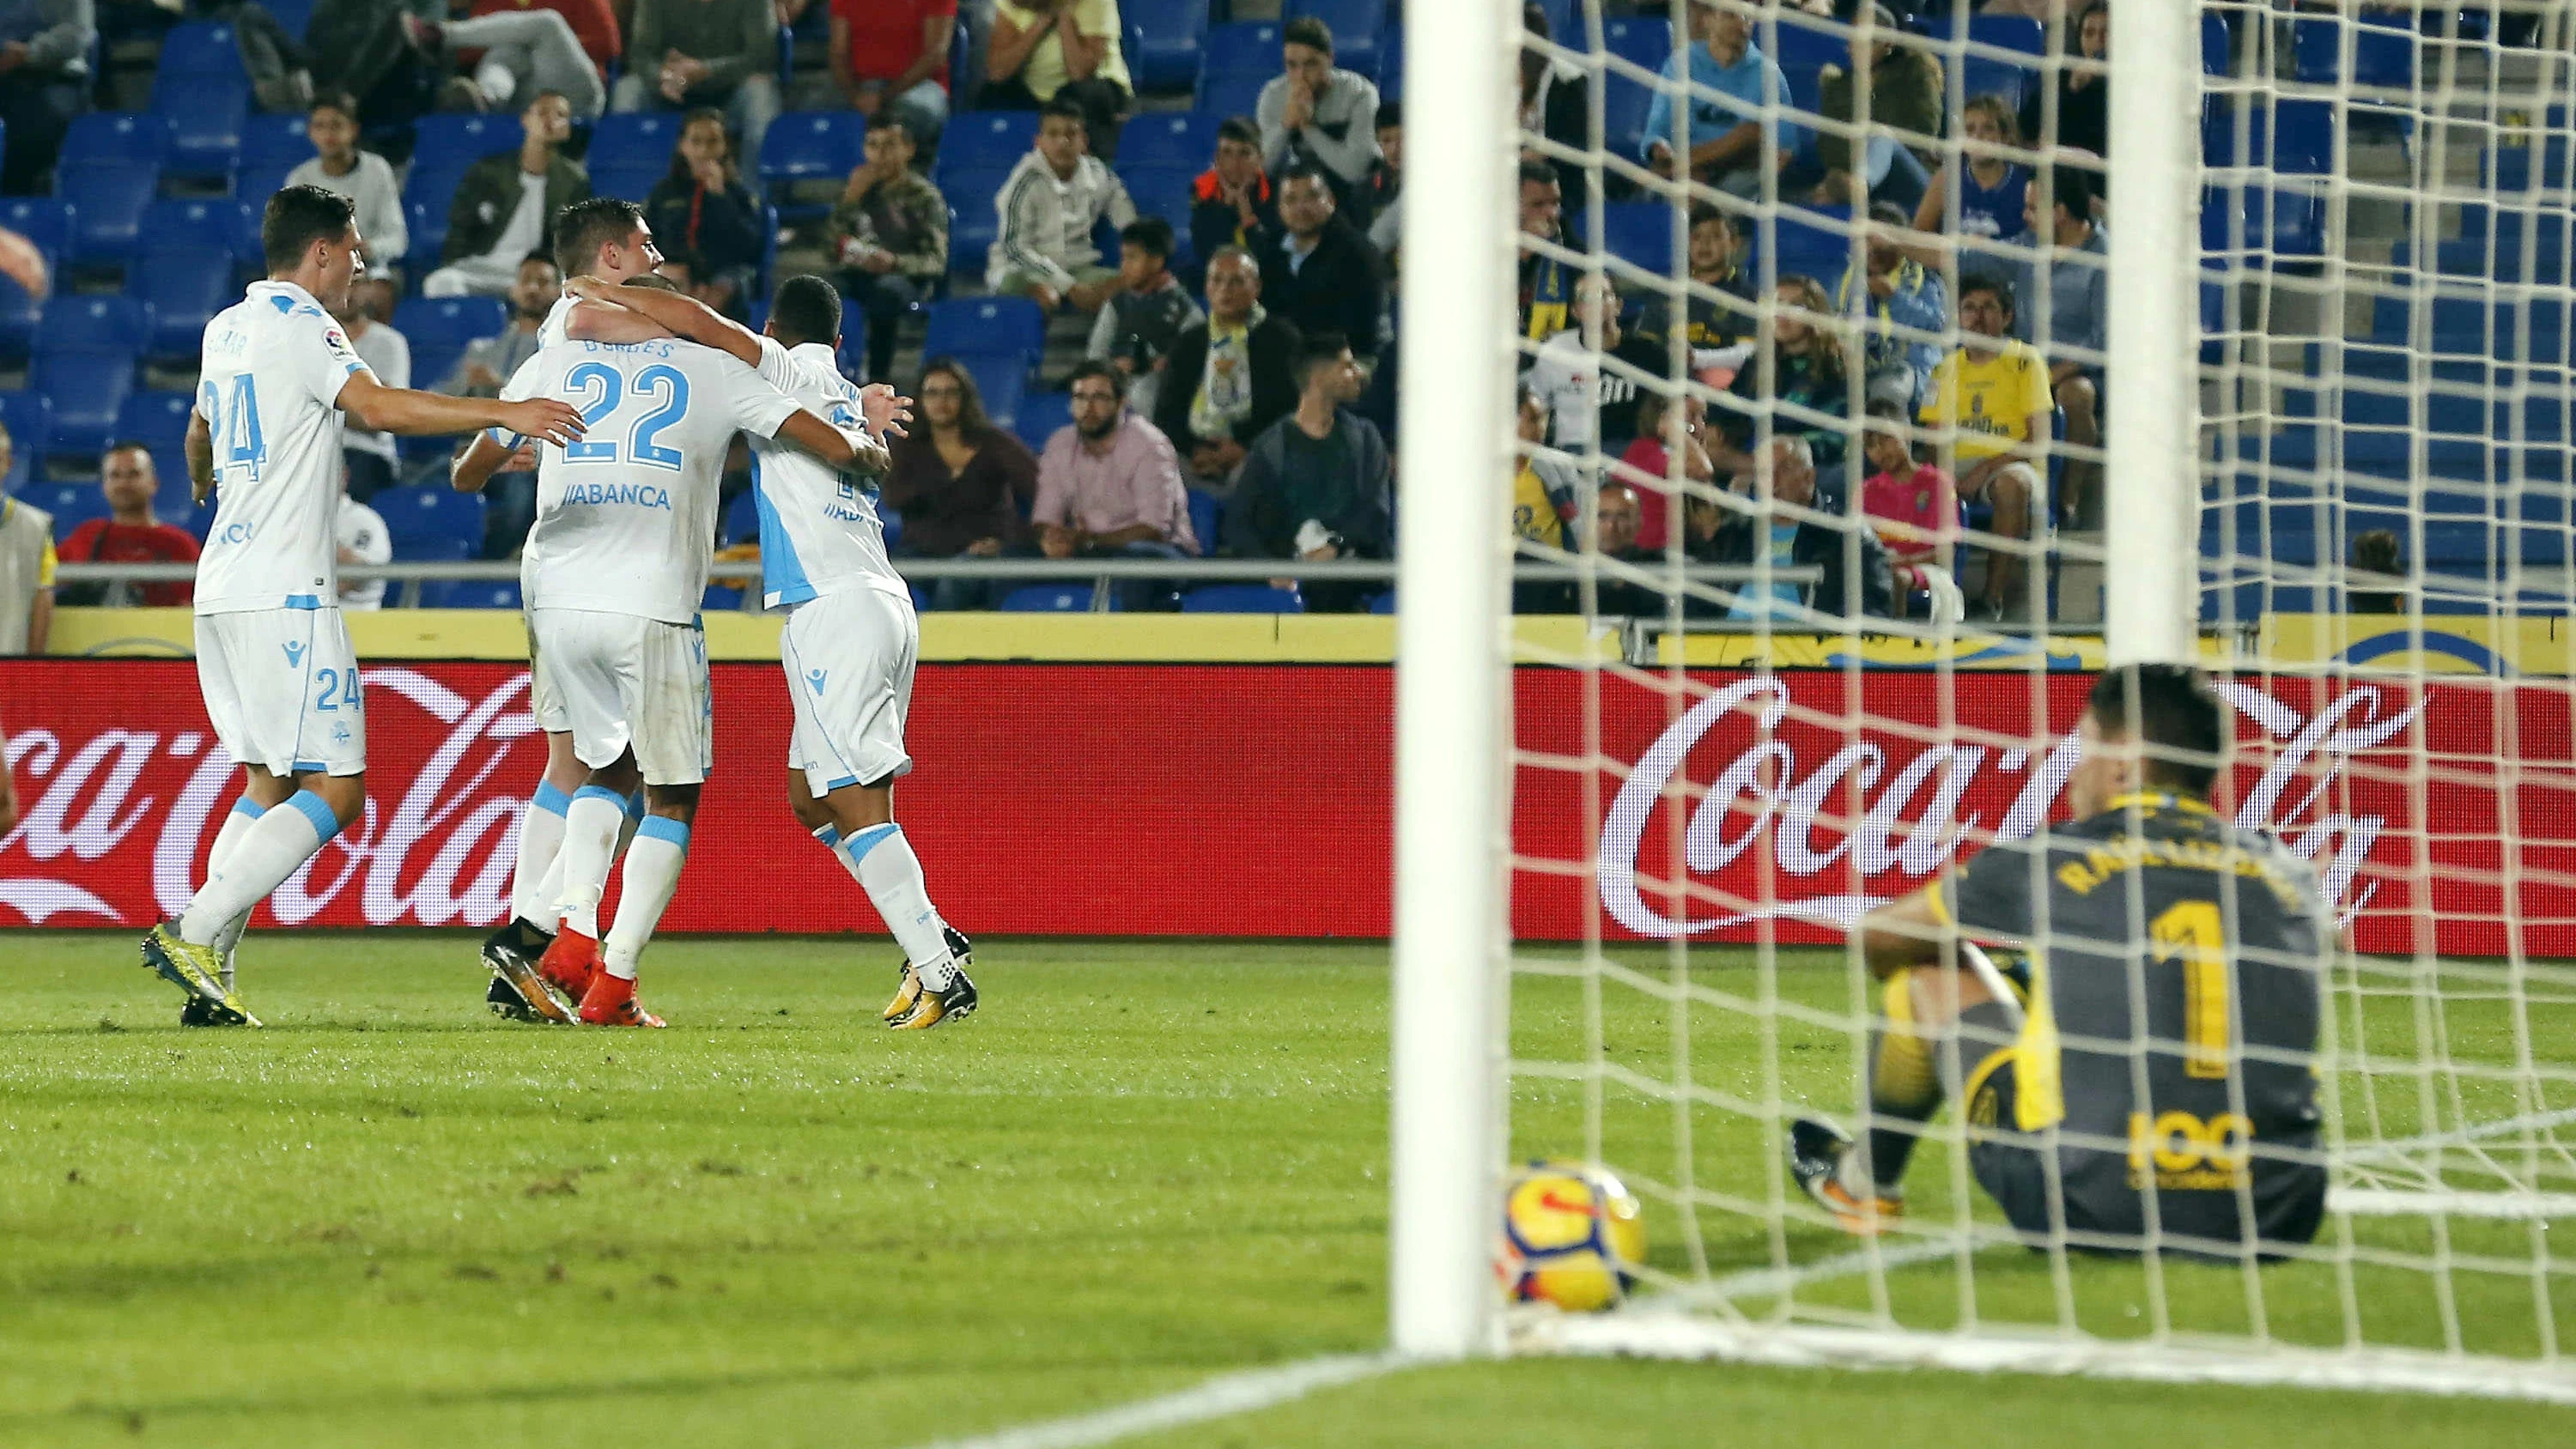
point(1663, 1009)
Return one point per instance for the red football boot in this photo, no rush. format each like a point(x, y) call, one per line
point(570, 964)
point(611, 1002)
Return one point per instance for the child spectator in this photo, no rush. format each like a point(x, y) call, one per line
point(1049, 205)
point(1714, 323)
point(1805, 372)
point(1665, 427)
point(1990, 188)
point(1231, 204)
point(364, 177)
point(130, 533)
point(704, 218)
point(1144, 321)
point(1912, 506)
point(1893, 295)
point(890, 238)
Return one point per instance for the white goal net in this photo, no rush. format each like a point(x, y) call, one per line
point(1855, 380)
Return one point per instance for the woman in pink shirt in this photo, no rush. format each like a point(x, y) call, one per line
point(1663, 422)
point(1911, 505)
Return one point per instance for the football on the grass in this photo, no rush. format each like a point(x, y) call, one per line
point(1572, 1236)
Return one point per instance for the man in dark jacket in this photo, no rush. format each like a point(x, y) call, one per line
point(1317, 486)
point(1856, 577)
point(1317, 271)
point(1230, 377)
point(505, 206)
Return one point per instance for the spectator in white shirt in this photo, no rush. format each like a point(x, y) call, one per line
point(371, 456)
point(364, 177)
point(1049, 205)
point(363, 540)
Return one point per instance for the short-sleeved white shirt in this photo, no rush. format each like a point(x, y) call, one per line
point(819, 531)
point(626, 517)
point(268, 387)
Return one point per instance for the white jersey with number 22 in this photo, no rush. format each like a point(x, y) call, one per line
point(626, 515)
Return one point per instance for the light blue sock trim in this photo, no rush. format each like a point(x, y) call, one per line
point(663, 827)
point(250, 807)
point(550, 799)
point(635, 804)
point(866, 840)
point(310, 806)
point(599, 792)
point(830, 835)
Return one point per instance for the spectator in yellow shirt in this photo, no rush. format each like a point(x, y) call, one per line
point(1992, 396)
point(1041, 49)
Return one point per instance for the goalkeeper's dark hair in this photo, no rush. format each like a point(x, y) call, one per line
point(2173, 713)
point(582, 228)
point(296, 218)
point(805, 309)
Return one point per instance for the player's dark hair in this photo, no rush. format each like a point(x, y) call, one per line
point(805, 309)
point(2171, 710)
point(297, 217)
point(1149, 234)
point(1094, 367)
point(2072, 187)
point(582, 228)
point(1239, 128)
point(1322, 349)
point(1066, 107)
point(1309, 32)
point(1989, 283)
point(972, 424)
point(651, 281)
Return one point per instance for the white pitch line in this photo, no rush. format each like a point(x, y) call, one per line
point(1217, 1398)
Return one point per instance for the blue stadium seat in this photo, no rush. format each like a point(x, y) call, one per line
point(100, 324)
point(438, 329)
point(1168, 138)
point(1639, 233)
point(741, 521)
point(1040, 415)
point(1003, 379)
point(184, 289)
point(2305, 130)
point(1164, 191)
point(1355, 25)
point(29, 417)
point(71, 503)
point(432, 523)
point(1163, 41)
point(1233, 52)
point(2382, 54)
point(973, 223)
point(1646, 42)
point(720, 599)
point(989, 326)
point(1382, 603)
point(1048, 599)
point(986, 141)
point(1801, 43)
point(109, 170)
point(1985, 76)
point(470, 594)
point(454, 140)
point(805, 151)
point(88, 390)
point(2009, 32)
point(1232, 95)
point(1207, 519)
point(2217, 44)
point(196, 224)
point(1241, 599)
point(1390, 63)
point(623, 139)
point(20, 315)
point(271, 146)
point(1819, 248)
point(199, 87)
point(44, 221)
point(159, 421)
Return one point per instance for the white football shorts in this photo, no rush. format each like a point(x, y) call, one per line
point(849, 658)
point(626, 682)
point(281, 686)
point(545, 702)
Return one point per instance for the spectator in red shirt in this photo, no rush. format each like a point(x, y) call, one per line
point(130, 534)
point(893, 55)
point(1911, 505)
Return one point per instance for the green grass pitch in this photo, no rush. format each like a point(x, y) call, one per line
point(392, 1220)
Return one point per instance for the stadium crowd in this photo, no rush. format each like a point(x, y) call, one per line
point(1210, 209)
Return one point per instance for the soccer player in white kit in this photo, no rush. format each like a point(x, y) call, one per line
point(273, 658)
point(851, 638)
point(625, 534)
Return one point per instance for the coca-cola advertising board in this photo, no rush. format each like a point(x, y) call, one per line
point(1081, 799)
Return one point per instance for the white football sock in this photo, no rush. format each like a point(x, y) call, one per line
point(541, 834)
point(262, 858)
point(830, 836)
point(591, 824)
point(237, 822)
point(652, 874)
point(885, 865)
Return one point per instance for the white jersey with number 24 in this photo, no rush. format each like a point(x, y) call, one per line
point(269, 383)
